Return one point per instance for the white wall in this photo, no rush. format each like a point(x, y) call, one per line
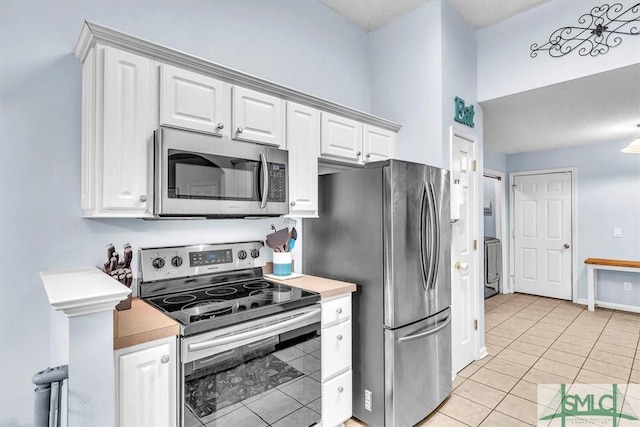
point(300, 44)
point(406, 82)
point(608, 192)
point(504, 63)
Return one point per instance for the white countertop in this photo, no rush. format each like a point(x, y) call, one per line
point(82, 291)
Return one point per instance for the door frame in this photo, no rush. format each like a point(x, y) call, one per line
point(503, 223)
point(574, 215)
point(479, 302)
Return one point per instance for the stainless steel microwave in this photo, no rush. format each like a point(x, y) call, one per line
point(205, 176)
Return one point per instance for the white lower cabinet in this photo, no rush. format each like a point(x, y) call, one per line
point(336, 361)
point(146, 384)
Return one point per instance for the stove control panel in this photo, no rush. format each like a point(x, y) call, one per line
point(184, 261)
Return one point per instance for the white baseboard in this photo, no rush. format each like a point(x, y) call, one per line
point(611, 305)
point(483, 353)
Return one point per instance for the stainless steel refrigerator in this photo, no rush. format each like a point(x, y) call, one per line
point(387, 228)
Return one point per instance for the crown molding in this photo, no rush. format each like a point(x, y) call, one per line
point(92, 33)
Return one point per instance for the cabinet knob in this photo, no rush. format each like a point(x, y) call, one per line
point(339, 310)
point(339, 337)
point(220, 126)
point(165, 358)
point(359, 153)
point(340, 389)
point(293, 203)
point(368, 155)
point(143, 198)
point(240, 130)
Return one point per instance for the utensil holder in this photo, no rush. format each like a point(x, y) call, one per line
point(125, 304)
point(281, 263)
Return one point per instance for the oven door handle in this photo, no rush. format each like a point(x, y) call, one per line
point(255, 332)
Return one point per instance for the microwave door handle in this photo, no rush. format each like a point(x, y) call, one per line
point(265, 181)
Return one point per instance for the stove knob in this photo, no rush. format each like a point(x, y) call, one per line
point(176, 261)
point(158, 263)
point(242, 254)
point(255, 253)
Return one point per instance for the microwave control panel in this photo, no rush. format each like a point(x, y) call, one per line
point(277, 183)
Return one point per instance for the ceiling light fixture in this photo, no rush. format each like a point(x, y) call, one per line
point(634, 146)
point(597, 31)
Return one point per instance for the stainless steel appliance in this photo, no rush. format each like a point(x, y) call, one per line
point(387, 228)
point(242, 337)
point(201, 175)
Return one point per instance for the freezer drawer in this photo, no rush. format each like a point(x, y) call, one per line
point(417, 369)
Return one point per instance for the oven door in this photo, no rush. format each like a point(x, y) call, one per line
point(261, 371)
point(201, 175)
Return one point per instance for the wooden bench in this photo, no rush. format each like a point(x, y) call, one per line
point(594, 264)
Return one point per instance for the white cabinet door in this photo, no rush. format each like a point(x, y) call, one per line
point(379, 144)
point(257, 117)
point(147, 385)
point(303, 136)
point(336, 310)
point(341, 138)
point(336, 400)
point(336, 350)
point(192, 101)
point(126, 136)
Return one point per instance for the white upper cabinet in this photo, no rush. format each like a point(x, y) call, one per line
point(190, 100)
point(379, 144)
point(303, 141)
point(341, 138)
point(117, 132)
point(257, 117)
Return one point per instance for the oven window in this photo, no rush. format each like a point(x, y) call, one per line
point(276, 380)
point(210, 177)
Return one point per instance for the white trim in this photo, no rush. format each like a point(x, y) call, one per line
point(82, 291)
point(610, 305)
point(501, 221)
point(479, 306)
point(92, 33)
point(483, 353)
point(574, 224)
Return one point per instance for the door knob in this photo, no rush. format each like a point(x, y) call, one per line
point(240, 130)
point(566, 246)
point(220, 126)
point(165, 358)
point(143, 198)
point(464, 266)
point(339, 337)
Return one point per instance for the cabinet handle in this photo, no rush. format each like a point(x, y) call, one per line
point(359, 153)
point(220, 126)
point(143, 198)
point(165, 358)
point(293, 203)
point(339, 337)
point(340, 389)
point(368, 155)
point(240, 130)
point(339, 310)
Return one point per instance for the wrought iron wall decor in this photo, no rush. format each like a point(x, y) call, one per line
point(597, 32)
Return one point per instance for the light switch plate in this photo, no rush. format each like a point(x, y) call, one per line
point(617, 232)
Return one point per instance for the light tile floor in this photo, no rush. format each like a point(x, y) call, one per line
point(534, 340)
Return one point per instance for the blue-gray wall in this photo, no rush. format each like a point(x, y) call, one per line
point(301, 44)
point(608, 196)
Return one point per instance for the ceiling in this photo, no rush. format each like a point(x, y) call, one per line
point(601, 107)
point(373, 14)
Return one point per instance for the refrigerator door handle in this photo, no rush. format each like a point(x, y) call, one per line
point(435, 238)
point(426, 333)
point(425, 250)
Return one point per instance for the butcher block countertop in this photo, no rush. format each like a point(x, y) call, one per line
point(327, 288)
point(141, 323)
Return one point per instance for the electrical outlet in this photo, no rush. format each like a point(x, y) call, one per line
point(617, 232)
point(627, 286)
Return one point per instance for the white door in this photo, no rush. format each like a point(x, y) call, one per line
point(464, 276)
point(257, 117)
point(303, 134)
point(542, 234)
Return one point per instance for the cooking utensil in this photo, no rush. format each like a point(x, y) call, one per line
point(292, 243)
point(278, 240)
